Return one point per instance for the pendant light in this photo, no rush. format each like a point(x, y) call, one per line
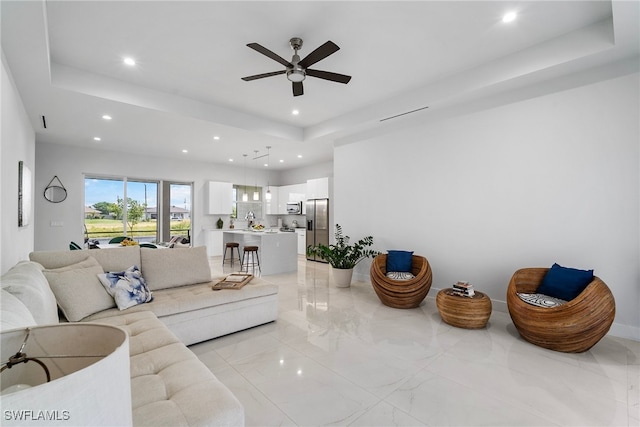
point(245, 196)
point(256, 195)
point(268, 193)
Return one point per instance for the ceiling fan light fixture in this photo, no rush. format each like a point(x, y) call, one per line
point(296, 75)
point(297, 69)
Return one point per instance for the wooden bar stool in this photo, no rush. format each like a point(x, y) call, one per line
point(250, 251)
point(232, 246)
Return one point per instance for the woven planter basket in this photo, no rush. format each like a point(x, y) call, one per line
point(405, 293)
point(573, 327)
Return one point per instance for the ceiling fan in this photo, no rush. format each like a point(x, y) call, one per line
point(297, 70)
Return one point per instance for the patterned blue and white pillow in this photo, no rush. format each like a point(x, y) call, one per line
point(541, 300)
point(128, 288)
point(400, 275)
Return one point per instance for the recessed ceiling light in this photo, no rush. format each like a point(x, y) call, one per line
point(509, 17)
point(129, 61)
point(97, 138)
point(299, 156)
point(295, 112)
point(281, 161)
point(185, 151)
point(266, 165)
point(231, 160)
point(106, 117)
point(216, 137)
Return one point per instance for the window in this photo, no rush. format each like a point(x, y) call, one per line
point(180, 210)
point(245, 200)
point(141, 217)
point(142, 197)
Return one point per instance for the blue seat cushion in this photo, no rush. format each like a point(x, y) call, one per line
point(399, 261)
point(564, 283)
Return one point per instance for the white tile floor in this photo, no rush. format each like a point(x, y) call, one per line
point(339, 357)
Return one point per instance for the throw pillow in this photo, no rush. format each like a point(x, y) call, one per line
point(399, 261)
point(400, 275)
point(127, 287)
point(564, 283)
point(169, 268)
point(541, 300)
point(78, 291)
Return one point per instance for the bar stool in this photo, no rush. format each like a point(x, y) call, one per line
point(250, 251)
point(232, 246)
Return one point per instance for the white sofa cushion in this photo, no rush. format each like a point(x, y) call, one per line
point(26, 282)
point(183, 299)
point(168, 268)
point(114, 259)
point(169, 384)
point(13, 313)
point(78, 290)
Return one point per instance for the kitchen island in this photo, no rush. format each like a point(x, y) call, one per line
point(278, 251)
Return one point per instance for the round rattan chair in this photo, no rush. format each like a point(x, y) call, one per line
point(401, 293)
point(573, 327)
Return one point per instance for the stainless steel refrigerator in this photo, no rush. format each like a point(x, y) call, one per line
point(317, 224)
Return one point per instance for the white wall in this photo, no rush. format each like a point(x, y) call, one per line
point(301, 175)
point(18, 143)
point(550, 179)
point(71, 164)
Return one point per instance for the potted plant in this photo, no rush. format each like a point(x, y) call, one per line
point(342, 256)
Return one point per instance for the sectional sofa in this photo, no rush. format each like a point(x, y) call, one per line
point(169, 385)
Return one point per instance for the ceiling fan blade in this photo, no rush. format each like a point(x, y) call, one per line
point(297, 88)
point(327, 75)
point(320, 53)
point(266, 52)
point(262, 76)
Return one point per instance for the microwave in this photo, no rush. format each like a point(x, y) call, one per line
point(294, 208)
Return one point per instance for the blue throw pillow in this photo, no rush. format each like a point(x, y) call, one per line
point(128, 288)
point(399, 261)
point(564, 283)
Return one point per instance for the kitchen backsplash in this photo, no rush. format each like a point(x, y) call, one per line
point(272, 220)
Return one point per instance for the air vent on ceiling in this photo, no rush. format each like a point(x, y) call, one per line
point(404, 114)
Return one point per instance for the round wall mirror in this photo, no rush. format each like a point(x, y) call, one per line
point(55, 191)
point(55, 194)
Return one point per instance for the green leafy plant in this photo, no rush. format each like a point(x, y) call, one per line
point(342, 254)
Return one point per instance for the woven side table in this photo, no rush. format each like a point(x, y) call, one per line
point(464, 312)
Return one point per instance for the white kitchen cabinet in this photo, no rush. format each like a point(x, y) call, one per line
point(318, 188)
point(271, 206)
point(302, 240)
point(283, 198)
point(213, 242)
point(297, 193)
point(290, 193)
point(219, 197)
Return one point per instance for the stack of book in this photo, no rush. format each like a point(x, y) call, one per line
point(463, 289)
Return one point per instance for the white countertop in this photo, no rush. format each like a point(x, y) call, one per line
point(266, 231)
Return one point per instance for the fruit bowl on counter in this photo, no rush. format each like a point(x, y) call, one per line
point(257, 227)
